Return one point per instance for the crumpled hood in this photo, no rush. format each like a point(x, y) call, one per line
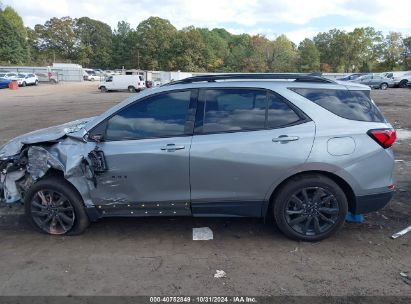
point(14, 146)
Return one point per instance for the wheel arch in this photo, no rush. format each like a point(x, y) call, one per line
point(345, 186)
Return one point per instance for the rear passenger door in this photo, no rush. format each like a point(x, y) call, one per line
point(245, 140)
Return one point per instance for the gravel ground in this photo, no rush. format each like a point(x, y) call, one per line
point(157, 256)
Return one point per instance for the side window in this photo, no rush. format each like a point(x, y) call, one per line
point(229, 110)
point(279, 112)
point(354, 105)
point(163, 115)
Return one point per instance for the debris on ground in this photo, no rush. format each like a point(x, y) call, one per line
point(401, 233)
point(405, 278)
point(220, 274)
point(202, 234)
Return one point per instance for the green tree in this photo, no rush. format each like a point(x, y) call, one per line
point(57, 38)
point(309, 56)
point(95, 37)
point(284, 55)
point(154, 40)
point(13, 44)
point(122, 46)
point(393, 50)
point(407, 53)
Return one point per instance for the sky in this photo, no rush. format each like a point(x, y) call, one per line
point(297, 19)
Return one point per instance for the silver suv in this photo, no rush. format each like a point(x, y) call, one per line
point(300, 149)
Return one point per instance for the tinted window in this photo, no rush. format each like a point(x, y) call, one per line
point(159, 116)
point(354, 105)
point(234, 110)
point(279, 112)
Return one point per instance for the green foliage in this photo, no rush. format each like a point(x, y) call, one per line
point(309, 56)
point(13, 45)
point(157, 45)
point(95, 42)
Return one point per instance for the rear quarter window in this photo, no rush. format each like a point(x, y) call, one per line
point(353, 105)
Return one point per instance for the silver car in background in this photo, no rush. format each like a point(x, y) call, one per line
point(300, 150)
point(375, 81)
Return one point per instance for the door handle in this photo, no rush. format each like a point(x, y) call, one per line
point(172, 148)
point(285, 138)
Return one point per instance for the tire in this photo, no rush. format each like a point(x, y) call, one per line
point(103, 89)
point(131, 89)
point(23, 84)
point(384, 86)
point(36, 83)
point(67, 211)
point(403, 83)
point(292, 212)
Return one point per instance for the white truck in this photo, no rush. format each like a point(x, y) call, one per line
point(132, 83)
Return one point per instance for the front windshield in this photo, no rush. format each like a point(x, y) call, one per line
point(21, 75)
point(2, 75)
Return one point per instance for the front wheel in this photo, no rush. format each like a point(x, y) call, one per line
point(310, 207)
point(36, 82)
point(53, 206)
point(103, 89)
point(23, 84)
point(383, 86)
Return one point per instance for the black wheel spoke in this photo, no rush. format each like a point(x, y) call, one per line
point(61, 223)
point(39, 213)
point(293, 212)
point(305, 195)
point(65, 218)
point(328, 210)
point(317, 195)
point(65, 209)
point(317, 225)
point(298, 220)
point(295, 199)
point(37, 205)
point(307, 225)
point(326, 219)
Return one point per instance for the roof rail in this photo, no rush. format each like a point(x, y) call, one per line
point(315, 77)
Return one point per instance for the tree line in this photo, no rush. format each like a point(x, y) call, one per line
point(155, 44)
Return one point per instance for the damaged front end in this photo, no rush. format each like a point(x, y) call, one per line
point(60, 150)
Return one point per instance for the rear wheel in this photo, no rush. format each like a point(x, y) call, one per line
point(131, 89)
point(310, 208)
point(383, 86)
point(53, 206)
point(403, 83)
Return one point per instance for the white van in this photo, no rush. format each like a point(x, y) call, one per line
point(132, 83)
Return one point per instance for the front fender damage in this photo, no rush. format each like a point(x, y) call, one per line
point(75, 160)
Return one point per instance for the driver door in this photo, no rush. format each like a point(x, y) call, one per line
point(146, 146)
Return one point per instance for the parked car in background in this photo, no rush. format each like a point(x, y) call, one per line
point(4, 83)
point(8, 75)
point(401, 79)
point(48, 77)
point(132, 83)
point(375, 81)
point(92, 75)
point(351, 77)
point(24, 79)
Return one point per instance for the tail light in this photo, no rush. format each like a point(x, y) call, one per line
point(384, 137)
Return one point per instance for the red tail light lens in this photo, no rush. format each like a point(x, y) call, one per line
point(384, 137)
